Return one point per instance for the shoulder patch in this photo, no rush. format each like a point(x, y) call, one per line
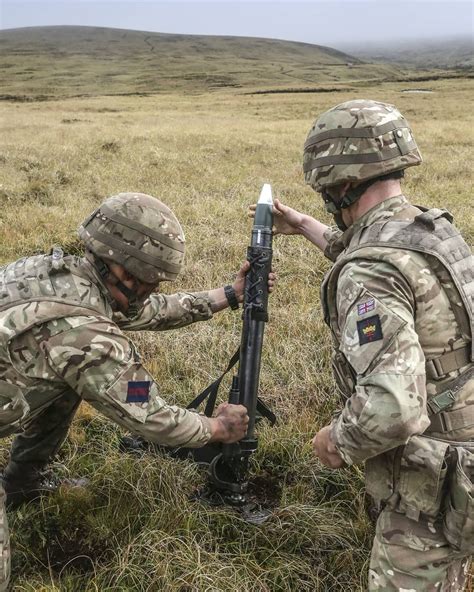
point(369, 330)
point(138, 391)
point(365, 307)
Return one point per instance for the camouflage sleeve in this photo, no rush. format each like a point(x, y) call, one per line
point(162, 312)
point(334, 247)
point(98, 361)
point(376, 319)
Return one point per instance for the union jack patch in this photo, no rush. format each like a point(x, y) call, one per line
point(366, 306)
point(138, 391)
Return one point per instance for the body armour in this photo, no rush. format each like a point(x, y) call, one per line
point(437, 267)
point(430, 233)
point(28, 289)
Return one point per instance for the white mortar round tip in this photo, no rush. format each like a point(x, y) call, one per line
point(266, 195)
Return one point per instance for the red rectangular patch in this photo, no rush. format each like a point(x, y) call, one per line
point(138, 391)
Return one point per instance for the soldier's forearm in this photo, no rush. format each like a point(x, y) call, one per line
point(314, 231)
point(164, 312)
point(217, 299)
point(156, 421)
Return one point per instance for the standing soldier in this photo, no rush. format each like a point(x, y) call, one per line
point(399, 303)
point(61, 341)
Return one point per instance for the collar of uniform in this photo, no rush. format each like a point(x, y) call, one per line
point(382, 211)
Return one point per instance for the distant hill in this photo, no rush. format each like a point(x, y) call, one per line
point(455, 53)
point(45, 62)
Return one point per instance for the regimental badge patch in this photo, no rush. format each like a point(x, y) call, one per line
point(369, 330)
point(365, 307)
point(138, 391)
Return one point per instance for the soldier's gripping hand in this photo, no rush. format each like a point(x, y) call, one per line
point(325, 450)
point(239, 283)
point(230, 423)
point(286, 220)
point(218, 298)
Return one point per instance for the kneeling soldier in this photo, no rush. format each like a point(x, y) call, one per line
point(61, 341)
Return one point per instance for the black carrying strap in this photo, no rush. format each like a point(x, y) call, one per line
point(210, 393)
point(212, 390)
point(265, 411)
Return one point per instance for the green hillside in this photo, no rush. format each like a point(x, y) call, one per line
point(44, 62)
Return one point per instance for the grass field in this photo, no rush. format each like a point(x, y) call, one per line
point(207, 156)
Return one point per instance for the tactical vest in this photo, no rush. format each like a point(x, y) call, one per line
point(36, 290)
point(433, 474)
point(431, 233)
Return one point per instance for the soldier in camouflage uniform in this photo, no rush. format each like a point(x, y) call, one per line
point(61, 341)
point(399, 303)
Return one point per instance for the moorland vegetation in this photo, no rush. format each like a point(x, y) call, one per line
point(206, 155)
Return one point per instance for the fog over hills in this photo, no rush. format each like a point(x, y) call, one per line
point(44, 62)
point(453, 52)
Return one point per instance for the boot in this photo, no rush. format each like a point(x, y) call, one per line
point(23, 484)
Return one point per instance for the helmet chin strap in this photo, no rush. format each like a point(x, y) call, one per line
point(339, 220)
point(104, 272)
point(335, 205)
point(332, 206)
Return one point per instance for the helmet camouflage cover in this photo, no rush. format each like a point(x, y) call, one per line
point(356, 141)
point(140, 233)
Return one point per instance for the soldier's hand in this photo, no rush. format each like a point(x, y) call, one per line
point(230, 423)
point(239, 283)
point(286, 220)
point(325, 450)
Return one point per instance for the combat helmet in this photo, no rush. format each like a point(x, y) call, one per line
point(140, 233)
point(357, 141)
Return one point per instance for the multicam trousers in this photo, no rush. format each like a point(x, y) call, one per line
point(31, 451)
point(410, 556)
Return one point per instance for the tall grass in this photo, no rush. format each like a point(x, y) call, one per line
point(206, 156)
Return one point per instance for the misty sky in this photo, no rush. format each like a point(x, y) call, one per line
point(340, 23)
